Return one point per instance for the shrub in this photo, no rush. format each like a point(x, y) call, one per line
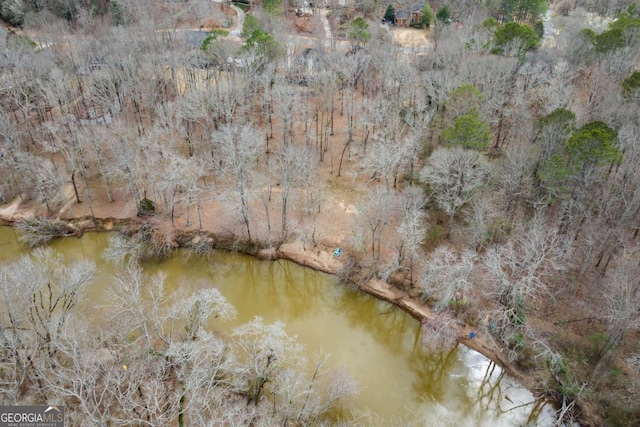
point(146, 207)
point(444, 14)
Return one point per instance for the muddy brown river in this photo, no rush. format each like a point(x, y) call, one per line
point(401, 384)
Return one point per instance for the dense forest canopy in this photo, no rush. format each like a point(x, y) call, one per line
point(491, 172)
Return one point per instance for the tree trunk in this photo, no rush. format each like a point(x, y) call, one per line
point(342, 155)
point(284, 216)
point(75, 187)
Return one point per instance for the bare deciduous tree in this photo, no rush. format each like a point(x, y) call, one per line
point(453, 176)
point(520, 271)
point(447, 276)
point(39, 297)
point(412, 228)
point(239, 147)
point(265, 349)
point(438, 332)
point(373, 218)
point(622, 295)
point(295, 165)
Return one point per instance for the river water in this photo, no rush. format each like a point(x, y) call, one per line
point(400, 383)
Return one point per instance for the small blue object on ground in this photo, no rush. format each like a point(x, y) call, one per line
point(337, 252)
point(472, 335)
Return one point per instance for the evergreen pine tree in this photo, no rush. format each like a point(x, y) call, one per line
point(390, 15)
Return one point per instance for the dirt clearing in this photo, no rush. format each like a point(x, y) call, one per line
point(411, 37)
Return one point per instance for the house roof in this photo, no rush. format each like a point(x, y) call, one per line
point(406, 12)
point(416, 7)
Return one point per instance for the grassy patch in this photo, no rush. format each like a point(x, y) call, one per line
point(339, 184)
point(20, 40)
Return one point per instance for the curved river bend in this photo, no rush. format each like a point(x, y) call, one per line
point(378, 344)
